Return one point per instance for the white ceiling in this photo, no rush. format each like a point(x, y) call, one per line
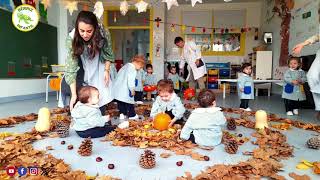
point(217, 1)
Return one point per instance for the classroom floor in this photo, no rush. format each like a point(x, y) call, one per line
point(126, 160)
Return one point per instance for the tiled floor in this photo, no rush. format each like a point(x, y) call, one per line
point(126, 158)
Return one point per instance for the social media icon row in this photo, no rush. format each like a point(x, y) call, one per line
point(22, 171)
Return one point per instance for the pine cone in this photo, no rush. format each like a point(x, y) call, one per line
point(231, 124)
point(314, 143)
point(62, 129)
point(231, 147)
point(85, 148)
point(147, 160)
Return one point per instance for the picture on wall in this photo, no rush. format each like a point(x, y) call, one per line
point(226, 42)
point(203, 41)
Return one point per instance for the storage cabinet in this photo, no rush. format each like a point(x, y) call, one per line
point(217, 71)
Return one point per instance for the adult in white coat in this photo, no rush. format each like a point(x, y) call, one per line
point(313, 74)
point(196, 66)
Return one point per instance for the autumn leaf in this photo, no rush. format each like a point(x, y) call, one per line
point(316, 167)
point(299, 177)
point(165, 155)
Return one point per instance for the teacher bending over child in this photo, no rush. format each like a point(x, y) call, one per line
point(89, 57)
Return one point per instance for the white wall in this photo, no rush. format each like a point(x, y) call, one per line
point(253, 14)
point(19, 87)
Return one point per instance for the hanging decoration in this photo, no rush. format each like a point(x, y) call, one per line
point(226, 30)
point(170, 3)
point(183, 28)
point(193, 29)
point(256, 34)
point(124, 7)
point(46, 3)
point(71, 6)
point(203, 30)
point(141, 6)
point(98, 9)
point(31, 3)
point(193, 2)
point(172, 28)
point(157, 20)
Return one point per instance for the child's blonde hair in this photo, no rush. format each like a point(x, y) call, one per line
point(165, 85)
point(138, 59)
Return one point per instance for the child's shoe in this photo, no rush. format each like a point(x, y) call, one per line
point(289, 113)
point(134, 117)
point(122, 116)
point(295, 111)
point(248, 109)
point(123, 125)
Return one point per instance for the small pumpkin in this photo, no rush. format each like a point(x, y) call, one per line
point(149, 88)
point(189, 93)
point(261, 119)
point(161, 121)
point(43, 123)
point(54, 84)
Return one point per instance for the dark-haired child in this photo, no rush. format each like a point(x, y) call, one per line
point(293, 91)
point(204, 124)
point(245, 86)
point(150, 79)
point(86, 115)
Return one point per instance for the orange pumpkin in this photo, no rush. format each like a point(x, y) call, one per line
point(161, 121)
point(54, 84)
point(189, 93)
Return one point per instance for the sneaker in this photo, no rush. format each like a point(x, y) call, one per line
point(248, 109)
point(139, 102)
point(123, 125)
point(152, 99)
point(122, 116)
point(289, 113)
point(134, 117)
point(295, 111)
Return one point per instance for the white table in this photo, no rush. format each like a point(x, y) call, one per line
point(254, 81)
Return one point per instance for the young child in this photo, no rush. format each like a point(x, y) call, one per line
point(150, 78)
point(293, 92)
point(124, 87)
point(175, 78)
point(204, 124)
point(167, 101)
point(245, 86)
point(140, 78)
point(86, 115)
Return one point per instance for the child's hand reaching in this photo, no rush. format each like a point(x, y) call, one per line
point(133, 92)
point(241, 90)
point(172, 122)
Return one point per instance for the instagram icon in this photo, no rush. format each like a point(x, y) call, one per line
point(33, 170)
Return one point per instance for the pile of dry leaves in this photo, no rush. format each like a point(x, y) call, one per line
point(18, 151)
point(10, 121)
point(286, 123)
point(272, 147)
point(140, 134)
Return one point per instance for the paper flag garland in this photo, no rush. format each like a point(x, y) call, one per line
point(141, 6)
point(193, 2)
point(98, 9)
point(124, 7)
point(170, 3)
point(71, 6)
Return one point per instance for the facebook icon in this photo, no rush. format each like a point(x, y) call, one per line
point(22, 171)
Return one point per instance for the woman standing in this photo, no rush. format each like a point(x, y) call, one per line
point(89, 57)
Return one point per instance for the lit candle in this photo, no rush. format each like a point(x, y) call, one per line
point(261, 119)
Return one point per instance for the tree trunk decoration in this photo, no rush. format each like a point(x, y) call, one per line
point(282, 8)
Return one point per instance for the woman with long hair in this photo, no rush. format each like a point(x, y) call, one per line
point(89, 57)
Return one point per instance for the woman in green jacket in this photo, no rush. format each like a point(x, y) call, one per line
point(89, 57)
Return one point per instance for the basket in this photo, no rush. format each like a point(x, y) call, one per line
point(57, 68)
